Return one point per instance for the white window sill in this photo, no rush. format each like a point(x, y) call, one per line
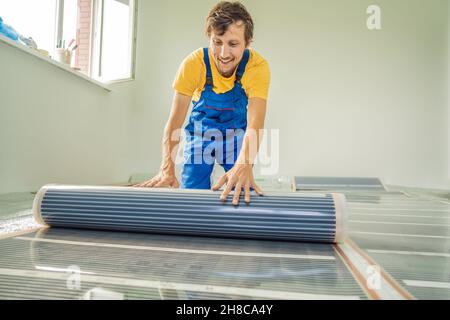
point(62, 66)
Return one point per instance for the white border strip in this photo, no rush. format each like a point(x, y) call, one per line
point(37, 206)
point(400, 216)
point(411, 253)
point(427, 284)
point(211, 289)
point(341, 210)
point(163, 249)
point(401, 223)
point(399, 235)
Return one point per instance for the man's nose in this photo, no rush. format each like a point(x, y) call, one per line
point(224, 51)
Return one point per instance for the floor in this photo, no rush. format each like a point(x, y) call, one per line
point(404, 234)
point(408, 236)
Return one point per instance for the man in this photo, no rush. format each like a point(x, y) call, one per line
point(228, 84)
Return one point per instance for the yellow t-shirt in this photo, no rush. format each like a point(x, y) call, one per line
point(191, 76)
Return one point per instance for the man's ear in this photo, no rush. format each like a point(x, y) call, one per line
point(249, 44)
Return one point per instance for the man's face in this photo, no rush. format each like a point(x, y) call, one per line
point(228, 49)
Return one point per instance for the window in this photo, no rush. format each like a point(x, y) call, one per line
point(113, 41)
point(96, 37)
point(37, 20)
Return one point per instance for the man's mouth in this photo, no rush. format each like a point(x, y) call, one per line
point(225, 62)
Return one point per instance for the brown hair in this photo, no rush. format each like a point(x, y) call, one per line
point(226, 13)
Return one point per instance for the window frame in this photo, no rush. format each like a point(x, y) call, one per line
point(59, 22)
point(97, 41)
point(95, 52)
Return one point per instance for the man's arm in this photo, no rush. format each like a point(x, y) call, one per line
point(241, 175)
point(166, 177)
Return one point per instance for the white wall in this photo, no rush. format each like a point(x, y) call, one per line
point(349, 101)
point(448, 92)
point(58, 128)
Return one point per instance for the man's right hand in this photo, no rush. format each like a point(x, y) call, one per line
point(161, 180)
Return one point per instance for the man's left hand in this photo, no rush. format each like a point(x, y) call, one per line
point(240, 177)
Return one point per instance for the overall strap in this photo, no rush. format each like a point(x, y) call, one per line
point(241, 68)
point(209, 78)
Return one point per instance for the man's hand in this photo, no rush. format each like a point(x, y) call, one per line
point(240, 177)
point(161, 180)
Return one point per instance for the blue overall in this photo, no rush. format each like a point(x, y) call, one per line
point(215, 130)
